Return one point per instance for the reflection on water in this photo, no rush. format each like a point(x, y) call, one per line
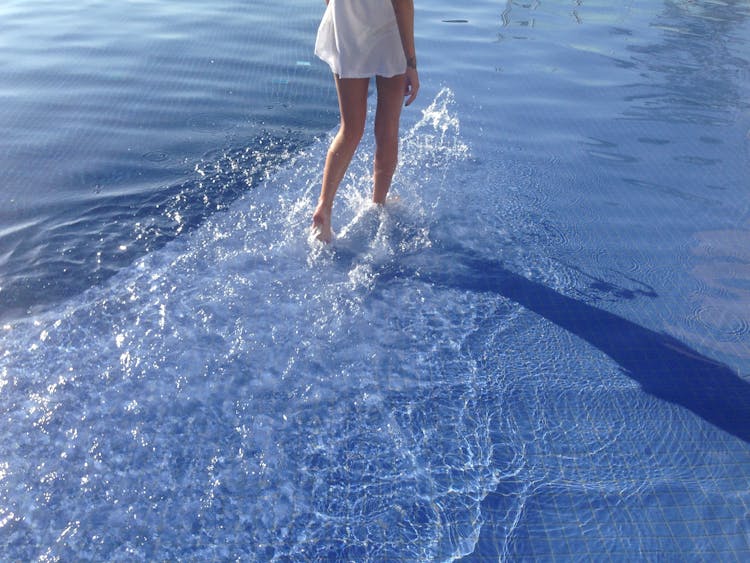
point(646, 109)
point(696, 84)
point(722, 306)
point(683, 82)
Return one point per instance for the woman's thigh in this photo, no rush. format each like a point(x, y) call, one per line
point(390, 101)
point(352, 94)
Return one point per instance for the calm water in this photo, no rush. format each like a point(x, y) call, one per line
point(541, 350)
point(112, 111)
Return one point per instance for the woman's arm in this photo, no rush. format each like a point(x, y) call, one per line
point(405, 17)
point(404, 10)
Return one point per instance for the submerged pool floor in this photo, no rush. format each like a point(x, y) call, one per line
point(539, 351)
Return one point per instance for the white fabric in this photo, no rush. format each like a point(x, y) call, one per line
point(360, 38)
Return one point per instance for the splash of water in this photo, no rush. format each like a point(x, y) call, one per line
point(241, 392)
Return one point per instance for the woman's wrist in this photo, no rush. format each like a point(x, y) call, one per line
point(411, 62)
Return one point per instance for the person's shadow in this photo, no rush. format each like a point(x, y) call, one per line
point(663, 366)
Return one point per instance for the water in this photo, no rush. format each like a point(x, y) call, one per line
point(109, 132)
point(541, 350)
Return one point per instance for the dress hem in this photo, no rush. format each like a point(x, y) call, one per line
point(382, 73)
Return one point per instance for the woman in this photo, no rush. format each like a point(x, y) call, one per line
point(360, 39)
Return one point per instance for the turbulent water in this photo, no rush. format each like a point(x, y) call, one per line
point(257, 393)
point(245, 393)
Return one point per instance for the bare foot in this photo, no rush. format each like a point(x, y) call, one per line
point(386, 200)
point(321, 226)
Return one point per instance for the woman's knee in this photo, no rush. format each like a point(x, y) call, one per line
point(346, 141)
point(351, 133)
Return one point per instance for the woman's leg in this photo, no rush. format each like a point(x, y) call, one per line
point(352, 94)
point(390, 100)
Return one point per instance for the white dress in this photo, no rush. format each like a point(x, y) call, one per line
point(360, 39)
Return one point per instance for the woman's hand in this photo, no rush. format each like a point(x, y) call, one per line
point(411, 85)
point(404, 10)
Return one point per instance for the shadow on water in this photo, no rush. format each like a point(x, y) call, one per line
point(681, 88)
point(663, 366)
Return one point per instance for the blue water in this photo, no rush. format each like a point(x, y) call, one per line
point(541, 351)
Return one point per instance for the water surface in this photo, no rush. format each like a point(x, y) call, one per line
point(539, 351)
